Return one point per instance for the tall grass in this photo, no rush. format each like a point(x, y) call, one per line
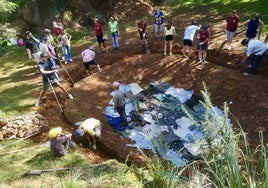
point(227, 159)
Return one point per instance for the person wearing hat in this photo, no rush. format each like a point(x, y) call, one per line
point(90, 129)
point(256, 49)
point(59, 142)
point(202, 45)
point(98, 30)
point(114, 32)
point(119, 97)
point(32, 46)
point(48, 75)
point(88, 57)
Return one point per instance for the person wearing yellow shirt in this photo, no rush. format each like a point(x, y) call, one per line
point(90, 129)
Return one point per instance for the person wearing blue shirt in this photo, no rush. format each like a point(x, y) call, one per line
point(48, 75)
point(159, 23)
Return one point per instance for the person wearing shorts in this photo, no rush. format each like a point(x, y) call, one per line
point(98, 30)
point(231, 27)
point(169, 32)
point(202, 45)
point(49, 77)
point(88, 56)
point(188, 39)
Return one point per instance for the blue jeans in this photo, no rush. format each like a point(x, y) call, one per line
point(255, 62)
point(67, 53)
point(114, 38)
point(121, 111)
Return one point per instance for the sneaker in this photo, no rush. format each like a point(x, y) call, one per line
point(65, 62)
point(71, 60)
point(37, 103)
point(70, 96)
point(229, 48)
point(246, 74)
point(165, 53)
point(170, 53)
point(100, 70)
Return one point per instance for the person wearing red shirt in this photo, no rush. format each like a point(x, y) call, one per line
point(202, 45)
point(142, 31)
point(231, 26)
point(98, 30)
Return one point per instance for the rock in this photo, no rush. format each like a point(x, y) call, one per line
point(1, 136)
point(3, 123)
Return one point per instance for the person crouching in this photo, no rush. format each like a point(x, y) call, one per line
point(59, 142)
point(90, 129)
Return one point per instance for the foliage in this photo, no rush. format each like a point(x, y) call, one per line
point(7, 32)
point(7, 6)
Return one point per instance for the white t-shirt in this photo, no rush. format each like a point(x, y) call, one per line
point(256, 47)
point(190, 31)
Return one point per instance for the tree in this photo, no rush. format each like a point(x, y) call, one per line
point(5, 32)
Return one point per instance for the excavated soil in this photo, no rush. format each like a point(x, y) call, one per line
point(222, 74)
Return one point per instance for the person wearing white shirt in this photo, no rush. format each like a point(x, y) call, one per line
point(188, 39)
point(256, 49)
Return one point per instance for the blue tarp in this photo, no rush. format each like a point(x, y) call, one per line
point(167, 131)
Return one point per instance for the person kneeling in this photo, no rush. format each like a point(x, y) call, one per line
point(59, 142)
point(90, 128)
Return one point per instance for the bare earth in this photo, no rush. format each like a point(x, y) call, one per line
point(248, 96)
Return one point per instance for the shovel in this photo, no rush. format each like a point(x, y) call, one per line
point(39, 172)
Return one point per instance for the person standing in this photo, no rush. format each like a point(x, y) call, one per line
point(257, 50)
point(169, 32)
point(119, 97)
point(159, 23)
point(202, 45)
point(90, 129)
point(98, 30)
point(32, 46)
point(231, 26)
point(142, 31)
point(114, 32)
point(65, 39)
point(49, 77)
point(252, 26)
point(188, 39)
point(88, 57)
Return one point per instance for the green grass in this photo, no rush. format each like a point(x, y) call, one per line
point(218, 9)
point(16, 80)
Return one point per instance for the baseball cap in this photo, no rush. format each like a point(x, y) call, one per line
point(194, 23)
point(92, 48)
point(79, 133)
point(27, 32)
point(43, 55)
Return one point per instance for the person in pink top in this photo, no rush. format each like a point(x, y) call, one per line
point(231, 26)
point(98, 30)
point(88, 56)
point(202, 45)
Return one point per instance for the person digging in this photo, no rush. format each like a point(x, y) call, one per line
point(49, 78)
point(88, 57)
point(90, 129)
